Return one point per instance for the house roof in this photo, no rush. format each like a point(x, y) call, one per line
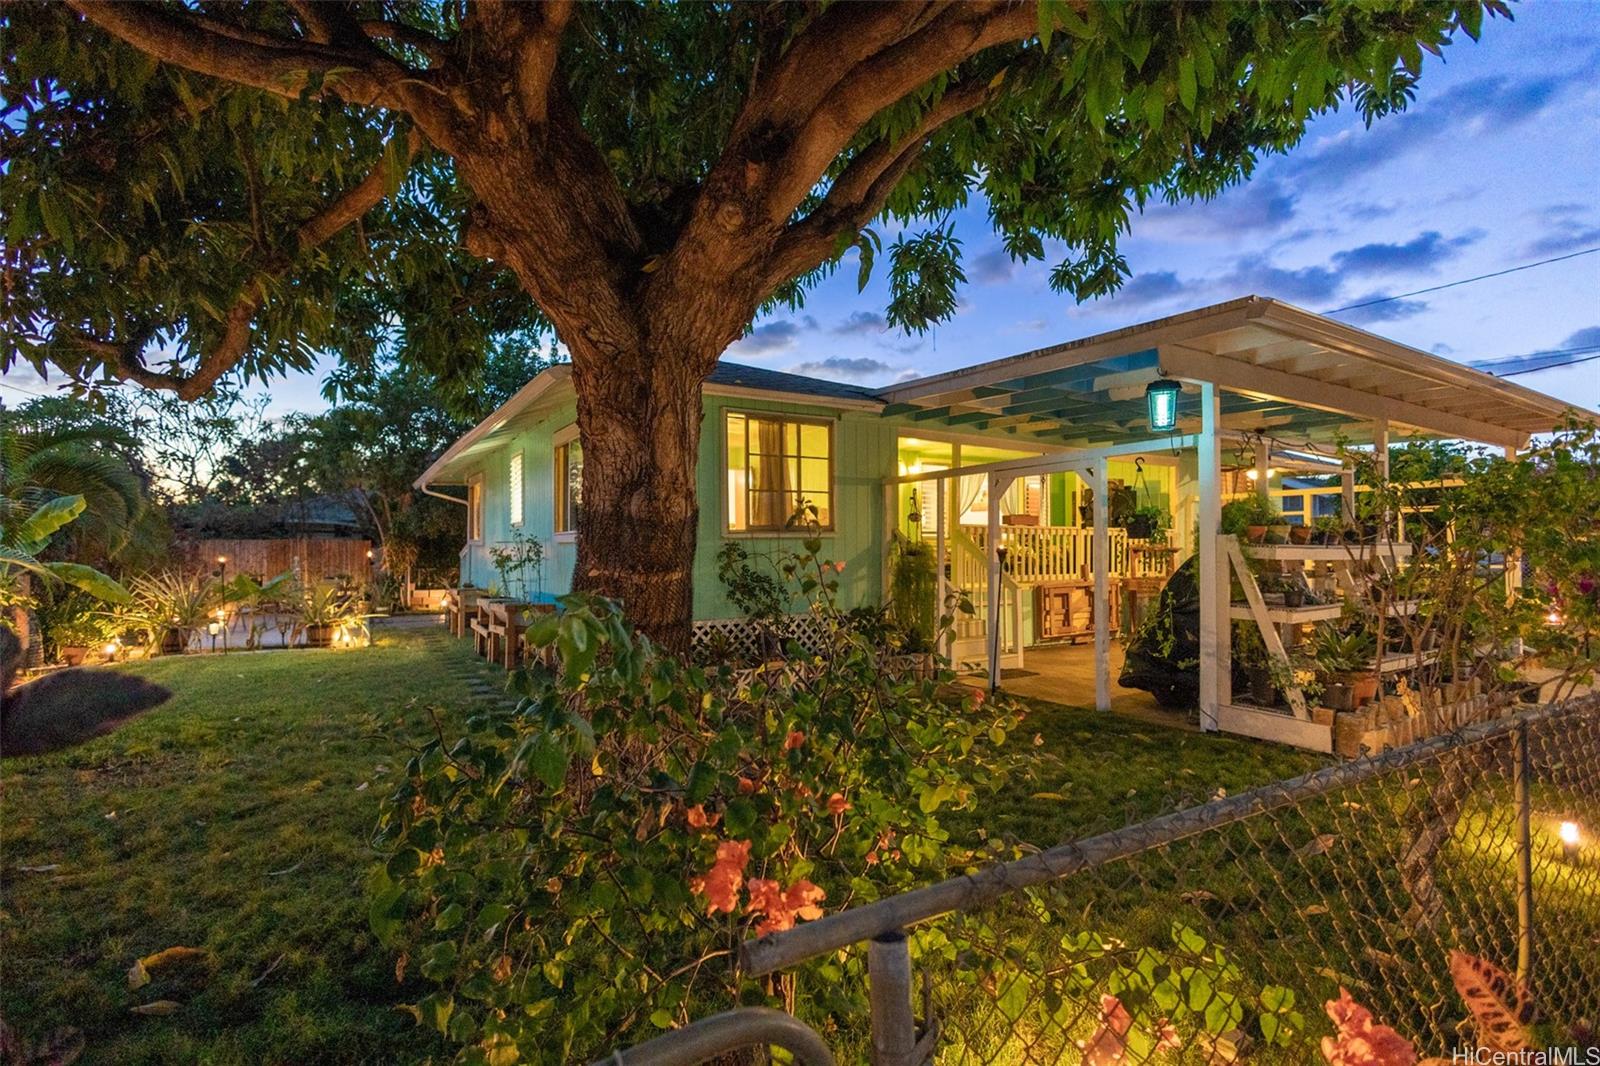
point(1280, 370)
point(552, 386)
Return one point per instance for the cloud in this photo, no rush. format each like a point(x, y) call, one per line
point(859, 322)
point(1422, 253)
point(993, 267)
point(773, 337)
point(1256, 274)
point(1587, 337)
point(1261, 206)
point(1153, 287)
point(1482, 105)
point(860, 369)
point(1388, 311)
point(1565, 228)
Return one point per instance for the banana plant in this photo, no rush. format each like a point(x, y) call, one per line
point(25, 533)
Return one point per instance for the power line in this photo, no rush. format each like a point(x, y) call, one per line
point(1549, 366)
point(1465, 281)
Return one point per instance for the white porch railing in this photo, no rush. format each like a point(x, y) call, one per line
point(1043, 555)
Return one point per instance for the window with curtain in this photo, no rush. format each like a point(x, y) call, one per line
point(514, 480)
point(775, 467)
point(569, 485)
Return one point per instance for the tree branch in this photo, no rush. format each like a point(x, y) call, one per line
point(126, 360)
point(407, 36)
point(863, 187)
point(282, 66)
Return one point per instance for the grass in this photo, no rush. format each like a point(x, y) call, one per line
point(1099, 771)
point(236, 818)
point(233, 818)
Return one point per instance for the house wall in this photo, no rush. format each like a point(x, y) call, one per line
point(863, 455)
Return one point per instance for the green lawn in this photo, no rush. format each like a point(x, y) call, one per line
point(233, 818)
point(236, 817)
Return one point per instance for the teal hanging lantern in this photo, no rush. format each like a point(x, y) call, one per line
point(1161, 397)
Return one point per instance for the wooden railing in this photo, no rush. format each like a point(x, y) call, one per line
point(1042, 555)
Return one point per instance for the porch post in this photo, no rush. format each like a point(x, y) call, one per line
point(1102, 607)
point(991, 548)
point(1347, 493)
point(939, 557)
point(1380, 455)
point(1215, 651)
point(1263, 455)
point(1513, 564)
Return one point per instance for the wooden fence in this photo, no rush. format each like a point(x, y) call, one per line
point(310, 558)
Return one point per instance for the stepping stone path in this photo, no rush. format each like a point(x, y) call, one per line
point(485, 681)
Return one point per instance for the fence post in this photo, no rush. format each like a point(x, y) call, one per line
point(894, 1026)
point(1522, 772)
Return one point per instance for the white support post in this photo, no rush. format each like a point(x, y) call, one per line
point(1380, 455)
point(1215, 648)
point(939, 555)
point(1347, 493)
point(1263, 464)
point(1102, 606)
point(997, 485)
point(1513, 574)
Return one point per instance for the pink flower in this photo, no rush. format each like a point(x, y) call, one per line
point(721, 883)
point(699, 819)
point(837, 804)
point(1358, 1041)
point(793, 740)
point(838, 567)
point(782, 908)
point(1109, 1044)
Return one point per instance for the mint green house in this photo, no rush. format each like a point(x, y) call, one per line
point(1030, 477)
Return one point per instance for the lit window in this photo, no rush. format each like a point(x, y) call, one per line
point(569, 485)
point(776, 468)
point(475, 509)
point(514, 478)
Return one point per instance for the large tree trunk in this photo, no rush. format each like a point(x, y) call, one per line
point(639, 416)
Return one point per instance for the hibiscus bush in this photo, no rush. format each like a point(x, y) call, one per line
point(576, 874)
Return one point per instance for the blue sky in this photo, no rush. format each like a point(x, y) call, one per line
point(1496, 164)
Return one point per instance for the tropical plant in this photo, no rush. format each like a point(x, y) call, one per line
point(634, 808)
point(1338, 652)
point(251, 598)
point(72, 618)
point(167, 607)
point(328, 603)
point(316, 142)
point(24, 534)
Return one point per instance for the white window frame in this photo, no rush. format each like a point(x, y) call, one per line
point(558, 483)
point(475, 509)
point(830, 422)
point(516, 494)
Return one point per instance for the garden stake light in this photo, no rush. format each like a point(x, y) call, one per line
point(1571, 839)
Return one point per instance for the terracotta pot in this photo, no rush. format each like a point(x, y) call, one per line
point(1300, 534)
point(174, 641)
point(73, 654)
point(1278, 533)
point(1363, 688)
point(1256, 534)
point(319, 636)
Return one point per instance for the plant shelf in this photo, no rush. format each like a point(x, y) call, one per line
point(1327, 553)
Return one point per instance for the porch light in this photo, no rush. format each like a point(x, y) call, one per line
point(1161, 397)
point(1252, 474)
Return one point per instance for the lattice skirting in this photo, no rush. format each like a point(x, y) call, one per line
point(744, 636)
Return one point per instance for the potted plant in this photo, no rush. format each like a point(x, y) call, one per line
point(1250, 653)
point(516, 558)
point(1300, 534)
point(1258, 515)
point(324, 608)
point(75, 636)
point(1149, 523)
point(1327, 530)
point(168, 608)
point(1345, 658)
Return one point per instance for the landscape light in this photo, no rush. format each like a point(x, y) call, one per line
point(221, 559)
point(1553, 618)
point(1161, 398)
point(1571, 837)
point(111, 649)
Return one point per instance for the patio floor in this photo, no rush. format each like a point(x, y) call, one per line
point(1064, 673)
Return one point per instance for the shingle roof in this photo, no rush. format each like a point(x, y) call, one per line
point(755, 377)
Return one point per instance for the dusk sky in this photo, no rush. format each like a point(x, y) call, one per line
point(1495, 165)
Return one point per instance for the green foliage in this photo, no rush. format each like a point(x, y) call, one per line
point(519, 560)
point(73, 618)
point(759, 594)
point(1253, 509)
point(914, 589)
point(168, 602)
point(145, 199)
point(542, 869)
point(1343, 651)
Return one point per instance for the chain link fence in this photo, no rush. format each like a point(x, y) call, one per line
point(1215, 934)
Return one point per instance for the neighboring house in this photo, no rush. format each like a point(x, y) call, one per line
point(1258, 391)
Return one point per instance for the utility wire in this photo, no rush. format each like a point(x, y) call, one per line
point(1465, 281)
point(1549, 366)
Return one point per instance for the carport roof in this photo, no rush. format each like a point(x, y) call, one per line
point(1283, 371)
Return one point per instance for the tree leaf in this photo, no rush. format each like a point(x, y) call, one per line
point(1502, 1009)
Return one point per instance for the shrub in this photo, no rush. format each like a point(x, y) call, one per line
point(580, 870)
